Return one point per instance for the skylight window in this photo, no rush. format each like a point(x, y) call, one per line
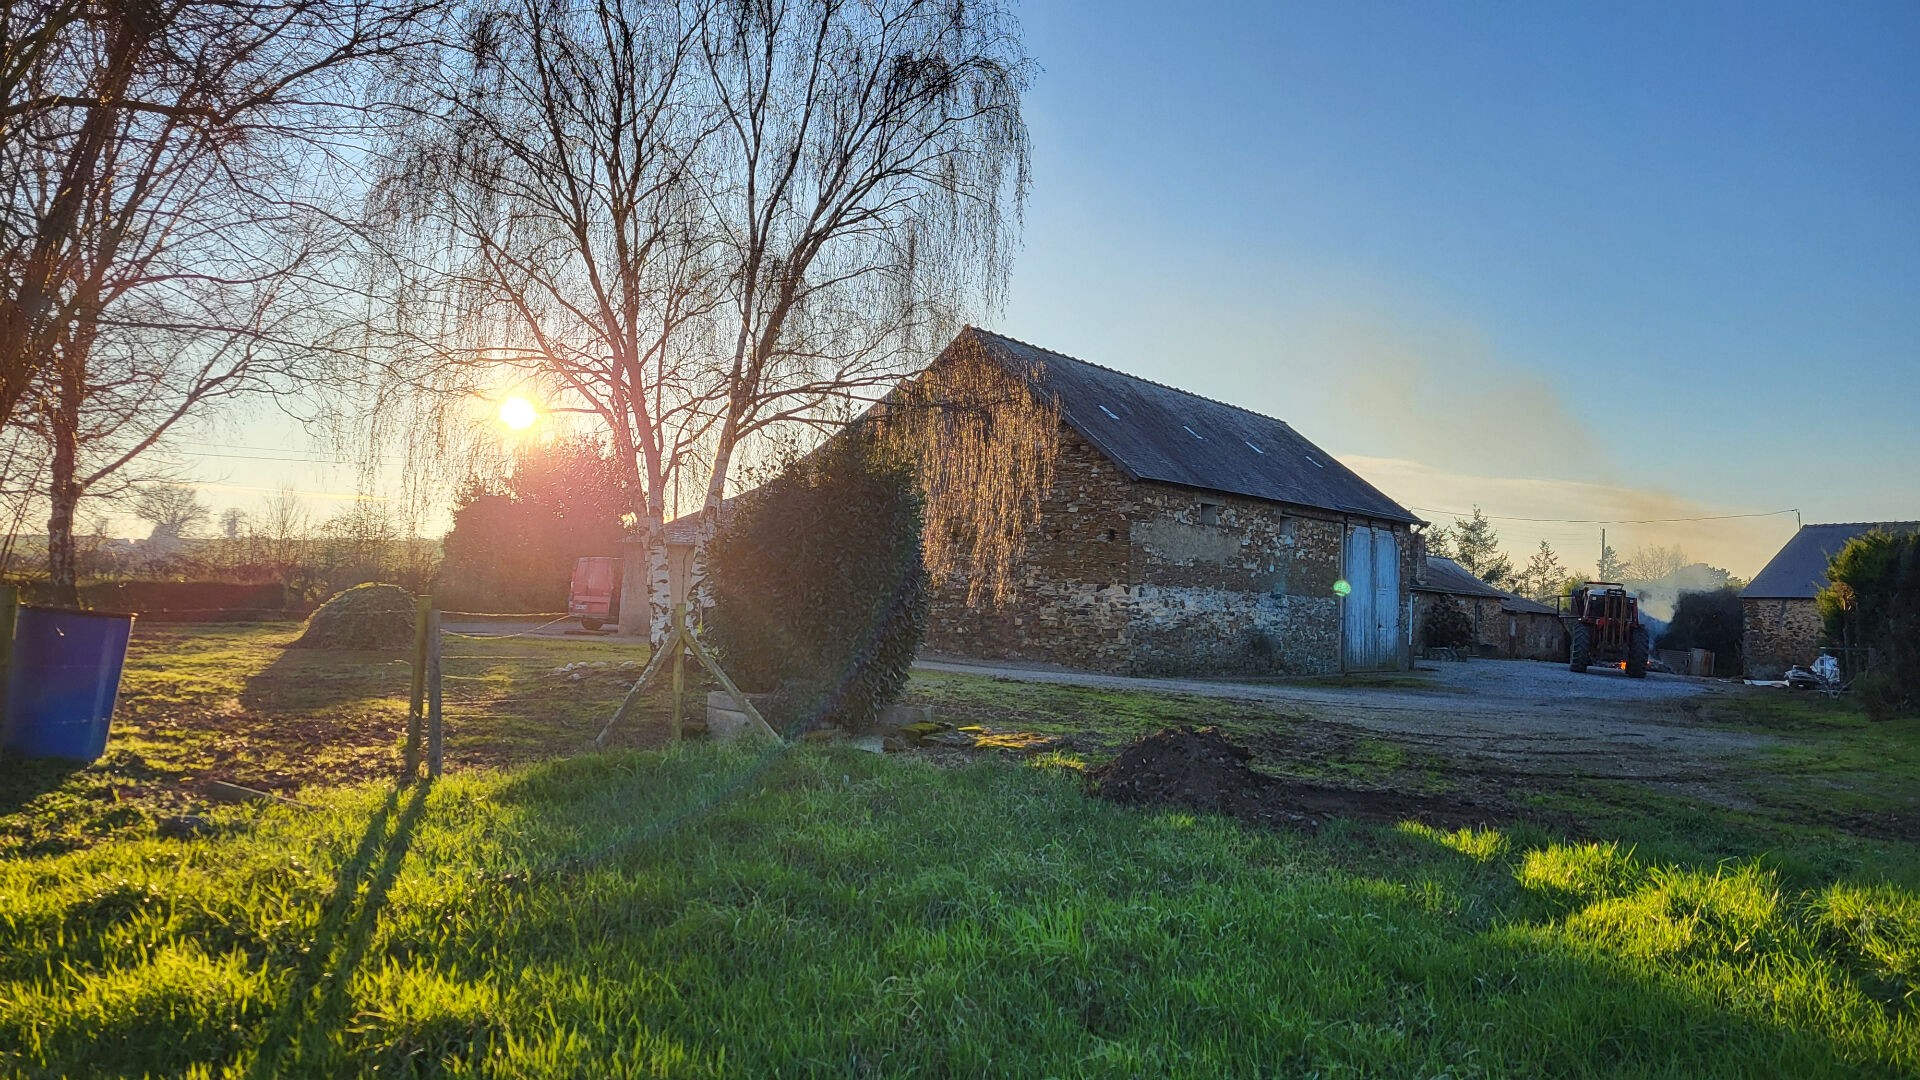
point(1111, 415)
point(1316, 464)
point(1254, 448)
point(1192, 432)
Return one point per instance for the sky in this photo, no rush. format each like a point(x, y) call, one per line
point(1560, 261)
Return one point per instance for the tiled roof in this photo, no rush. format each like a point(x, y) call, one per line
point(1155, 432)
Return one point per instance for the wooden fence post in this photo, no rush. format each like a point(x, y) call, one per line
point(416, 706)
point(679, 666)
point(435, 740)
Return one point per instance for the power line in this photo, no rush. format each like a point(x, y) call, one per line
point(1605, 521)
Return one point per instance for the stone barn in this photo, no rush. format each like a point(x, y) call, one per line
point(1184, 535)
point(1505, 625)
point(1782, 625)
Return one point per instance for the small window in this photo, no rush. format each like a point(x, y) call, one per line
point(1209, 513)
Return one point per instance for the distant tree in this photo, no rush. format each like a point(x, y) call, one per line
point(1610, 567)
point(1439, 540)
point(516, 535)
point(171, 510)
point(1653, 563)
point(1476, 546)
point(1543, 577)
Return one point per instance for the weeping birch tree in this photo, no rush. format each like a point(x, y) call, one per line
point(698, 222)
point(868, 171)
point(546, 232)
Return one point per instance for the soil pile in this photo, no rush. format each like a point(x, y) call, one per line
point(1201, 769)
point(364, 617)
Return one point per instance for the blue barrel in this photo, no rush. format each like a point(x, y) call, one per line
point(62, 682)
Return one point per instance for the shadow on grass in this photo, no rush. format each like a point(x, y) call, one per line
point(317, 1000)
point(23, 780)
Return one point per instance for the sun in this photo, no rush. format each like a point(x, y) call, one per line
point(518, 413)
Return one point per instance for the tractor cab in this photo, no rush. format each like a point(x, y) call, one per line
point(1603, 625)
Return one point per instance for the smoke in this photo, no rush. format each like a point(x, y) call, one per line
point(1659, 597)
point(1741, 545)
point(1450, 424)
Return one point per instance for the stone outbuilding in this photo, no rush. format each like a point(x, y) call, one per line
point(1782, 623)
point(1183, 535)
point(1505, 625)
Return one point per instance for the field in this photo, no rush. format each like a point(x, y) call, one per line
point(709, 911)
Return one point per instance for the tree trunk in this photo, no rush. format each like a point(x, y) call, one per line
point(64, 497)
point(24, 334)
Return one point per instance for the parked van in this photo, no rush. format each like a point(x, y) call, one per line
point(594, 596)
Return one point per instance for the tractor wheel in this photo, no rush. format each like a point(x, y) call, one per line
point(1637, 653)
point(1580, 653)
point(592, 624)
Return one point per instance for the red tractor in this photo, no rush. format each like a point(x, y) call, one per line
point(1603, 621)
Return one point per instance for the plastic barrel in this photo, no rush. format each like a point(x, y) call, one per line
point(62, 682)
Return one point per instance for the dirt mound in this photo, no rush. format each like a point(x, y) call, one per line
point(1201, 769)
point(363, 617)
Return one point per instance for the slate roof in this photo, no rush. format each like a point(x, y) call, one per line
point(1449, 577)
point(1155, 432)
point(1800, 569)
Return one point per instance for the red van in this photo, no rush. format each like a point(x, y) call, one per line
point(594, 595)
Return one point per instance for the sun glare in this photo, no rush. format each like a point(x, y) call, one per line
point(518, 413)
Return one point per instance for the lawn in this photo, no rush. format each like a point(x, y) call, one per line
point(713, 911)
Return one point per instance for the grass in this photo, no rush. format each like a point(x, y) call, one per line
point(714, 911)
point(702, 912)
point(233, 703)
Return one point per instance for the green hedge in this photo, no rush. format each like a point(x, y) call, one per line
point(819, 589)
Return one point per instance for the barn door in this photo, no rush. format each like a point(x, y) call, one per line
point(1370, 614)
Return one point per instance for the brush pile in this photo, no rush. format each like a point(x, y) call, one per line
point(370, 616)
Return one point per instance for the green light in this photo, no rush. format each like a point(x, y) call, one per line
point(1341, 588)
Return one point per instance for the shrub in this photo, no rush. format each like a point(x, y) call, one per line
point(1873, 602)
point(369, 616)
point(1447, 626)
point(1708, 620)
point(819, 588)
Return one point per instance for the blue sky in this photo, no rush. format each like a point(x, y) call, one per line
point(1669, 249)
point(1623, 261)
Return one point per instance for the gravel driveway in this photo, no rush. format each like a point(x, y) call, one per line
point(1535, 716)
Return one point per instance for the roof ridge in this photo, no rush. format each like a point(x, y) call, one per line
point(1852, 524)
point(1125, 374)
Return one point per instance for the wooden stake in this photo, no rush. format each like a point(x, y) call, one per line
point(435, 739)
point(726, 684)
point(679, 667)
point(416, 706)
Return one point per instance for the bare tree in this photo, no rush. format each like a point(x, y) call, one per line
point(547, 229)
point(866, 182)
point(699, 221)
point(175, 256)
point(172, 510)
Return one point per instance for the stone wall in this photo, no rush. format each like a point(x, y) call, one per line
point(1151, 578)
point(1778, 635)
point(1496, 632)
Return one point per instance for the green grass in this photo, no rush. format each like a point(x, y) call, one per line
point(233, 703)
point(705, 912)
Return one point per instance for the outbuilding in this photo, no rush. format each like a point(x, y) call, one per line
point(1782, 621)
point(1183, 535)
point(1505, 625)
